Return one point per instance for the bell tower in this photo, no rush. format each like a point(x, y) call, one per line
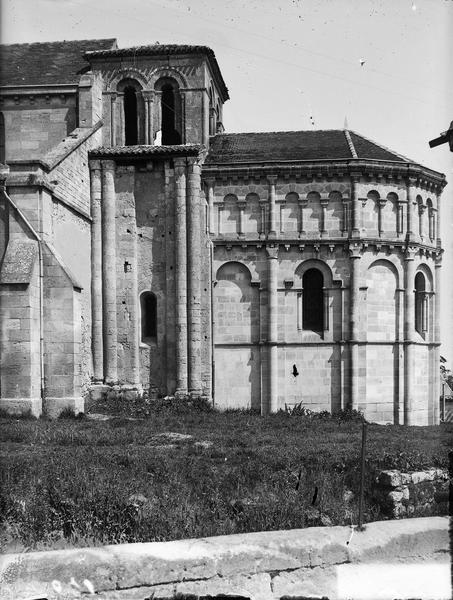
point(159, 95)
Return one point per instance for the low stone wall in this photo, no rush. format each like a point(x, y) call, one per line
point(390, 559)
point(418, 493)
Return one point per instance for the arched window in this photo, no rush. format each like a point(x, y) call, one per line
point(148, 315)
point(170, 136)
point(2, 139)
point(421, 304)
point(313, 300)
point(130, 116)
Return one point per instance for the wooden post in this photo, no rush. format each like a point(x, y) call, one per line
point(362, 477)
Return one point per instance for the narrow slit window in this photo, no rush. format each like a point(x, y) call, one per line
point(313, 300)
point(148, 313)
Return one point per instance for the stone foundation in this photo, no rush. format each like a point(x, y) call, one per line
point(418, 493)
point(22, 406)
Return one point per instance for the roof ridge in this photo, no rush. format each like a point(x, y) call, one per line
point(405, 158)
point(350, 144)
point(274, 132)
point(109, 39)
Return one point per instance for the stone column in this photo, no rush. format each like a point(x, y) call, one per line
point(210, 189)
point(194, 301)
point(135, 302)
point(381, 204)
point(438, 241)
point(302, 205)
point(354, 308)
point(113, 119)
point(181, 276)
point(324, 203)
point(272, 217)
point(399, 219)
point(241, 206)
point(145, 102)
point(437, 338)
point(412, 181)
point(326, 308)
point(272, 331)
point(356, 208)
point(421, 212)
point(96, 272)
point(263, 218)
point(148, 97)
point(409, 334)
point(109, 272)
point(345, 224)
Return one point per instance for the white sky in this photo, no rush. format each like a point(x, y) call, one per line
point(290, 60)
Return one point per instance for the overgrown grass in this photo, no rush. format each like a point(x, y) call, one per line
point(76, 482)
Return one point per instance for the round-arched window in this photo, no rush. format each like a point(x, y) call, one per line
point(313, 300)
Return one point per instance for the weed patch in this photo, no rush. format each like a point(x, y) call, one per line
point(192, 473)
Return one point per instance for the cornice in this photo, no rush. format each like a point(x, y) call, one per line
point(347, 245)
point(309, 170)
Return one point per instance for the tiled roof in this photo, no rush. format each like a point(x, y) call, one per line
point(310, 145)
point(165, 50)
point(126, 151)
point(47, 63)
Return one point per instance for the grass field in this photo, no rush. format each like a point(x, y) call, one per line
point(78, 482)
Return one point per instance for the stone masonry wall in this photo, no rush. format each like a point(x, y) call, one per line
point(72, 173)
point(33, 127)
point(417, 493)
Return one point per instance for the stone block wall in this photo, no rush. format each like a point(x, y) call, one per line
point(72, 173)
point(62, 339)
point(308, 224)
point(416, 493)
point(20, 371)
point(142, 201)
point(34, 126)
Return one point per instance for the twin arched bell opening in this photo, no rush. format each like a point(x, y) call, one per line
point(152, 123)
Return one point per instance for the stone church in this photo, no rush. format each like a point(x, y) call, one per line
point(144, 249)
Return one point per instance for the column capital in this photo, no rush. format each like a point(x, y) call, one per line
point(355, 250)
point(209, 181)
point(272, 251)
point(272, 179)
point(108, 165)
point(410, 252)
point(193, 162)
point(355, 176)
point(180, 165)
point(148, 95)
point(95, 165)
point(438, 258)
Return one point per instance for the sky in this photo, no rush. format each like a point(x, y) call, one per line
point(386, 66)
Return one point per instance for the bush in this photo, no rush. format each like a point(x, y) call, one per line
point(343, 415)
